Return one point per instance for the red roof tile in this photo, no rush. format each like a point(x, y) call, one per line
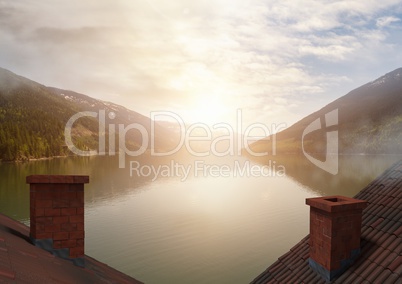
point(396, 264)
point(380, 260)
point(22, 262)
point(384, 275)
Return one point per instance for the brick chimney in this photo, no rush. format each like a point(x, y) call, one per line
point(57, 215)
point(335, 229)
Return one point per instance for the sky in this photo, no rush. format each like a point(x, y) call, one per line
point(276, 61)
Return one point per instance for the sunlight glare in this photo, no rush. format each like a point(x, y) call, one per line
point(207, 98)
point(208, 109)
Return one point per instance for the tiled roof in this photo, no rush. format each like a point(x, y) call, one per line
point(380, 260)
point(22, 262)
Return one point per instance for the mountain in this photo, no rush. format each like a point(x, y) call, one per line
point(33, 118)
point(369, 121)
point(164, 138)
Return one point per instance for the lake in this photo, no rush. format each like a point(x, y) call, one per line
point(217, 225)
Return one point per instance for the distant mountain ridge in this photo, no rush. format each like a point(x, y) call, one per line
point(122, 115)
point(33, 118)
point(369, 122)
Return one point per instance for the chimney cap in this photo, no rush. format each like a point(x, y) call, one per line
point(336, 203)
point(57, 179)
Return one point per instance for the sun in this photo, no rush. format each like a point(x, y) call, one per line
point(209, 108)
point(205, 95)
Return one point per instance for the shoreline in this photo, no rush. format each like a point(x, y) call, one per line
point(33, 159)
point(246, 156)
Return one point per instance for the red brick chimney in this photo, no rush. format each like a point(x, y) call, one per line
point(57, 215)
point(335, 229)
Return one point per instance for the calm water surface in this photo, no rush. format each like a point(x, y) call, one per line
point(205, 229)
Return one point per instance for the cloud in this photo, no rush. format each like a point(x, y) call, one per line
point(386, 21)
point(154, 54)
